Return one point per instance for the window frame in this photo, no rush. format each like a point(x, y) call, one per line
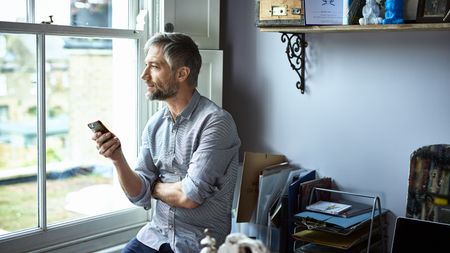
point(96, 232)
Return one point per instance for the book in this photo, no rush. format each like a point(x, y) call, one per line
point(356, 209)
point(328, 207)
point(307, 187)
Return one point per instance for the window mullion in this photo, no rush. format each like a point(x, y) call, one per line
point(30, 11)
point(41, 179)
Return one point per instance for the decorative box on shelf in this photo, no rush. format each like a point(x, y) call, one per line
point(279, 13)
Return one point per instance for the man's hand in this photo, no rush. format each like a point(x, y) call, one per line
point(107, 145)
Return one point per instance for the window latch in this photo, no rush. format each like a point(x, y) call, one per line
point(48, 22)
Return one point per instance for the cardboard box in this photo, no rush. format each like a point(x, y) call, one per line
point(273, 13)
point(254, 164)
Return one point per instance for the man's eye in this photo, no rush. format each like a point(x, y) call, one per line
point(154, 66)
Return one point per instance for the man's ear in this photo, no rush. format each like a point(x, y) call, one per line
point(183, 73)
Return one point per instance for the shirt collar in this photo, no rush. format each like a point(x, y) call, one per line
point(188, 110)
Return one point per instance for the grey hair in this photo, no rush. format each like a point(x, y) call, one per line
point(179, 50)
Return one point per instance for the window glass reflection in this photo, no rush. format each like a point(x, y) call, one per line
point(18, 132)
point(87, 83)
point(89, 13)
point(16, 10)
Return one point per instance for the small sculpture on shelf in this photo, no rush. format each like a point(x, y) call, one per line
point(394, 12)
point(371, 13)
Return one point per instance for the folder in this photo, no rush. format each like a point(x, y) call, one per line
point(331, 239)
point(335, 224)
point(291, 191)
point(254, 163)
point(271, 183)
point(294, 194)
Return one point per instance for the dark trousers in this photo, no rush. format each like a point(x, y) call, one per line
point(135, 246)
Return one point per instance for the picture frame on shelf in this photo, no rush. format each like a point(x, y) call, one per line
point(433, 11)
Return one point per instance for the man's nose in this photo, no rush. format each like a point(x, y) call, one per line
point(145, 74)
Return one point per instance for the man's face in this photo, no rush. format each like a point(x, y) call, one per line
point(158, 77)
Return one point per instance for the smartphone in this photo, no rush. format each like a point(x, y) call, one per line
point(97, 126)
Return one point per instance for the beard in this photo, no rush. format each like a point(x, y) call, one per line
point(163, 91)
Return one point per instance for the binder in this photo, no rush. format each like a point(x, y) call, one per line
point(294, 197)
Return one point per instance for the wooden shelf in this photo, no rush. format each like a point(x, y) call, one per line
point(359, 28)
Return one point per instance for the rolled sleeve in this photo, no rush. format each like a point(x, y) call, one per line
point(147, 172)
point(141, 200)
point(191, 190)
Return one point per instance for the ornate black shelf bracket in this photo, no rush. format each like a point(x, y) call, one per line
point(296, 53)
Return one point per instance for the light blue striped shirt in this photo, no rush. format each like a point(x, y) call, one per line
point(200, 149)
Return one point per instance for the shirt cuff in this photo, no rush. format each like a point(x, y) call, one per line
point(190, 189)
point(141, 199)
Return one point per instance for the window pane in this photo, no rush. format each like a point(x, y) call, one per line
point(91, 13)
point(13, 11)
point(18, 141)
point(83, 85)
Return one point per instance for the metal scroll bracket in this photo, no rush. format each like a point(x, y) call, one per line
point(295, 51)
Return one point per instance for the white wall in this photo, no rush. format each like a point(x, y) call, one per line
point(373, 99)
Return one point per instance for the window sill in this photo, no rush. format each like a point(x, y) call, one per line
point(82, 236)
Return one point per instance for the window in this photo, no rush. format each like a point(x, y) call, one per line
point(54, 79)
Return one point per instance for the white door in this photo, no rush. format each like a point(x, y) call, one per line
point(198, 18)
point(210, 78)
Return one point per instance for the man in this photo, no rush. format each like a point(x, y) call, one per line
point(189, 155)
